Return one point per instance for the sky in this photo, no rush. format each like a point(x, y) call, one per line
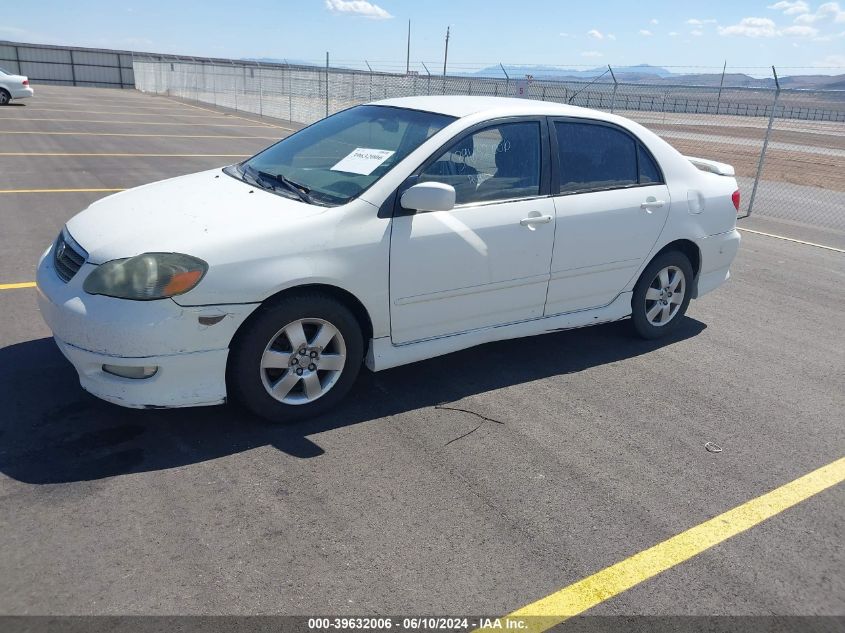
point(797, 36)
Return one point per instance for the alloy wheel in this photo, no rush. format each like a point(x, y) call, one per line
point(303, 361)
point(665, 295)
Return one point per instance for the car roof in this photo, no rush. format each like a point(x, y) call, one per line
point(461, 106)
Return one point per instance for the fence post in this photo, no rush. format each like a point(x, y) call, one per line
point(260, 91)
point(371, 79)
point(615, 87)
point(327, 83)
point(721, 83)
point(290, 94)
point(765, 143)
point(72, 67)
point(507, 79)
point(428, 72)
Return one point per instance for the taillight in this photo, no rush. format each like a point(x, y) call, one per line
point(26, 82)
point(735, 199)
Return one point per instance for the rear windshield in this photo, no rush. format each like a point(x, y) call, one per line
point(338, 158)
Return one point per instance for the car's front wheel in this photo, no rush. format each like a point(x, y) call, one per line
point(295, 358)
point(662, 295)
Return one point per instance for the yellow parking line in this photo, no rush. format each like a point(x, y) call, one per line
point(235, 116)
point(611, 581)
point(122, 155)
point(59, 190)
point(187, 116)
point(179, 123)
point(23, 284)
point(114, 104)
point(272, 138)
point(792, 239)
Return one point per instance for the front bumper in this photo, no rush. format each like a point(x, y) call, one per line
point(92, 331)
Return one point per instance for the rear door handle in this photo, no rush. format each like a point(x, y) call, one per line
point(535, 219)
point(648, 205)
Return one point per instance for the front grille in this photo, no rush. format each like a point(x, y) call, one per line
point(68, 257)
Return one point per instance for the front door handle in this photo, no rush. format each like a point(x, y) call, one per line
point(651, 203)
point(535, 219)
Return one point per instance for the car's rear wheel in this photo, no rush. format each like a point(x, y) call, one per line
point(662, 295)
point(5, 97)
point(295, 358)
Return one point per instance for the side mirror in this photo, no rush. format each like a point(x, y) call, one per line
point(429, 196)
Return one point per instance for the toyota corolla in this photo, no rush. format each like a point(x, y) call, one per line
point(382, 235)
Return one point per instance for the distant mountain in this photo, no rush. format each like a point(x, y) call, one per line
point(556, 72)
point(274, 60)
point(640, 73)
point(647, 74)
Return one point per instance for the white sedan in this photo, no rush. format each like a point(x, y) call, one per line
point(13, 87)
point(382, 235)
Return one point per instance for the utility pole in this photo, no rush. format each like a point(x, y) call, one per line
point(446, 53)
point(408, 55)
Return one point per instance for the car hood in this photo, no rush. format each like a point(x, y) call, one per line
point(200, 214)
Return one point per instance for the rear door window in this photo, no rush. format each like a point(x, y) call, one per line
point(594, 157)
point(649, 173)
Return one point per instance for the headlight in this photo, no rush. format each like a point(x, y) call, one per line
point(147, 276)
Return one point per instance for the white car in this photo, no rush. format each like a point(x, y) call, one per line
point(13, 87)
point(387, 233)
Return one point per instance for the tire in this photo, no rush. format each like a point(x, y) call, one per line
point(656, 309)
point(277, 354)
point(5, 97)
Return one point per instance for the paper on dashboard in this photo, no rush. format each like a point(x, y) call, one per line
point(362, 160)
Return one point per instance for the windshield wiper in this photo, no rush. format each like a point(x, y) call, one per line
point(301, 191)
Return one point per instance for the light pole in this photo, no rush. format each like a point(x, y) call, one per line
point(446, 52)
point(408, 54)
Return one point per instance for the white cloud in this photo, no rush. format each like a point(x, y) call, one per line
point(826, 11)
point(673, 34)
point(595, 34)
point(790, 8)
point(358, 7)
point(590, 54)
point(751, 27)
point(611, 36)
point(764, 27)
point(827, 38)
point(832, 61)
point(654, 21)
point(646, 33)
point(697, 22)
point(800, 31)
point(696, 33)
point(564, 34)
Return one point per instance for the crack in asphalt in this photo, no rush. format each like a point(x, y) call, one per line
point(484, 419)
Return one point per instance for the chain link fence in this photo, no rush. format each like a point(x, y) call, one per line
point(788, 146)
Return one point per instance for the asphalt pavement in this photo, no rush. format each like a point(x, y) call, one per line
point(477, 482)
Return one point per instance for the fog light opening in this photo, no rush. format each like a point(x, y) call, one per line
point(136, 373)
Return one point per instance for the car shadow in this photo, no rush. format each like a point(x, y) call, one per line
point(54, 432)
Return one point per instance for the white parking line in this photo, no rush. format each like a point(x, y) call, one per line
point(792, 239)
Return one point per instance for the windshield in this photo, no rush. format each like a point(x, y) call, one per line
point(338, 158)
point(3, 71)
